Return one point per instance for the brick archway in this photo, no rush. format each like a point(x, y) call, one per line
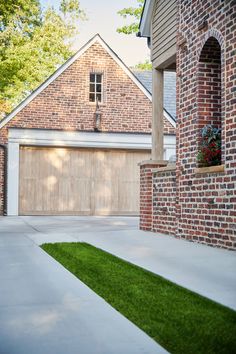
point(209, 86)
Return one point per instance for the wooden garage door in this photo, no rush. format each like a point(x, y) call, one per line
point(79, 181)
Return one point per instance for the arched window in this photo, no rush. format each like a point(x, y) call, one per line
point(209, 104)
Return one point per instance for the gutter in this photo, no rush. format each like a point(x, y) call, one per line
point(4, 147)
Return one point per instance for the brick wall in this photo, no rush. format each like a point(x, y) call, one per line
point(145, 222)
point(207, 201)
point(204, 206)
point(65, 105)
point(168, 128)
point(209, 84)
point(164, 201)
point(146, 193)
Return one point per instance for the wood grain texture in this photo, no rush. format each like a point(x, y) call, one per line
point(66, 181)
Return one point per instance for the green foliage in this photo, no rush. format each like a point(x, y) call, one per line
point(209, 153)
point(33, 43)
point(180, 320)
point(27, 11)
point(134, 14)
point(144, 66)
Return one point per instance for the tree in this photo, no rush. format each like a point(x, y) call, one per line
point(144, 66)
point(134, 13)
point(33, 43)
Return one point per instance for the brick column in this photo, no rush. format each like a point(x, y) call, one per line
point(146, 191)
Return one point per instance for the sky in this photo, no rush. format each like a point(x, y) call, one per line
point(103, 19)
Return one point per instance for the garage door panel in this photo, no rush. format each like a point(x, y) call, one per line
point(29, 190)
point(81, 200)
point(80, 163)
point(106, 197)
point(71, 181)
point(129, 198)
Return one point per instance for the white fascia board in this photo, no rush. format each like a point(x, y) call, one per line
point(145, 24)
point(170, 119)
point(69, 62)
point(41, 137)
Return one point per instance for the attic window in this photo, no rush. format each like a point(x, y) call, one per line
point(95, 87)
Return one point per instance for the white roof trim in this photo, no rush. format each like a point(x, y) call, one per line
point(69, 62)
point(170, 118)
point(145, 23)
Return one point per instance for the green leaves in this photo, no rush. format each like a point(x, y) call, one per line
point(33, 44)
point(20, 11)
point(144, 66)
point(133, 13)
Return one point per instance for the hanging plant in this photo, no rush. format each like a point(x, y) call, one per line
point(209, 153)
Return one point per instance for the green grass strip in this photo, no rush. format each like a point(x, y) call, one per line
point(179, 320)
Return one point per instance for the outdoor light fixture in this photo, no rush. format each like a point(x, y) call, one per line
point(98, 115)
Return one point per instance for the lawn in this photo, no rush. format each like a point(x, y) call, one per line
point(179, 320)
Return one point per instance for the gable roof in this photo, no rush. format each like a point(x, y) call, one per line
point(145, 76)
point(96, 39)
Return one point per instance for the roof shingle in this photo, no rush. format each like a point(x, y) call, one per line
point(145, 77)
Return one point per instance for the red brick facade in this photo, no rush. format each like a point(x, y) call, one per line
point(205, 204)
point(64, 103)
point(146, 194)
point(164, 200)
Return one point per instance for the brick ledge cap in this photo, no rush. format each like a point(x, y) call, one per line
point(153, 162)
point(167, 168)
point(210, 169)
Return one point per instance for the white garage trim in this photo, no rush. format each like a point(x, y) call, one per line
point(79, 139)
point(13, 179)
point(42, 137)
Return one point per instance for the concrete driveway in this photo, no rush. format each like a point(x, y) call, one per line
point(206, 270)
point(44, 308)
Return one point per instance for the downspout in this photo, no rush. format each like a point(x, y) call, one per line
point(4, 147)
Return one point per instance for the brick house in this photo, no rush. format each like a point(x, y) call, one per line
point(197, 39)
point(72, 146)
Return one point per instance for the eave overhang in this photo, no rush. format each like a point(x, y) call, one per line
point(146, 18)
